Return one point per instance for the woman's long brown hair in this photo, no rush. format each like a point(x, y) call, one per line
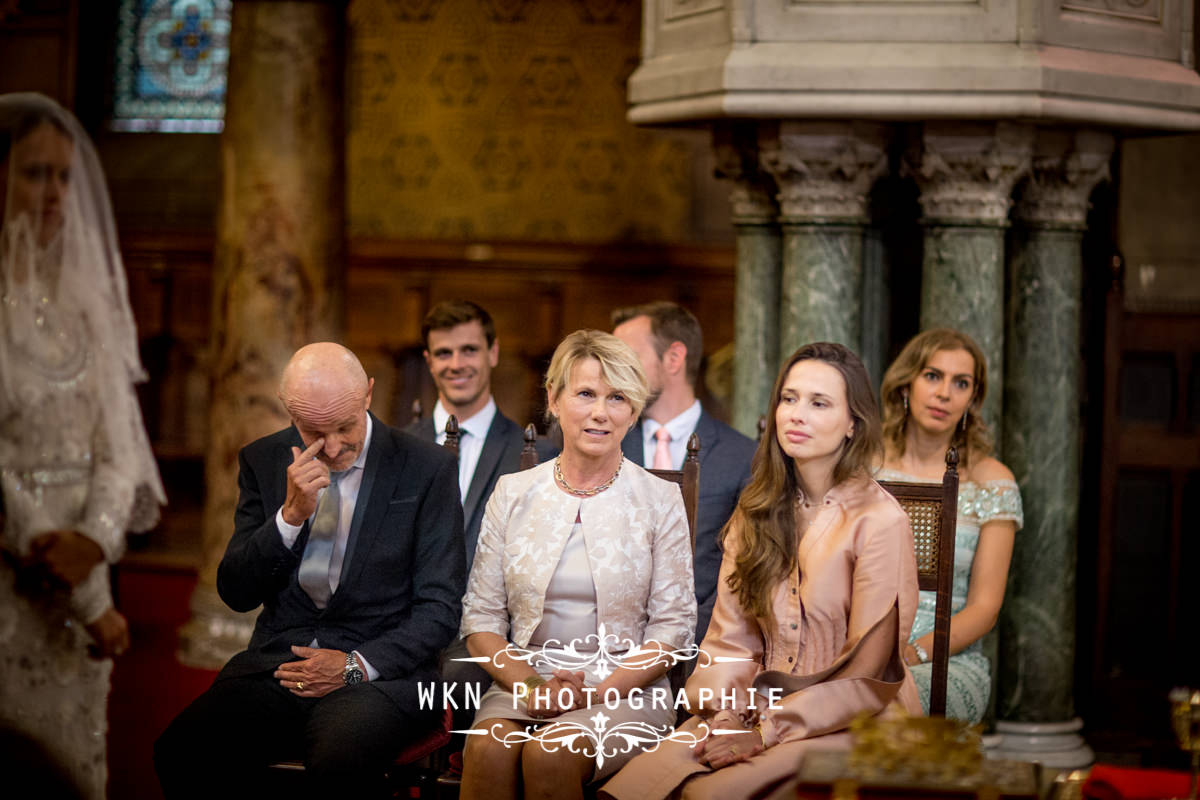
point(766, 512)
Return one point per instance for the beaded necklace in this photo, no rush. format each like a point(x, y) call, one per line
point(558, 476)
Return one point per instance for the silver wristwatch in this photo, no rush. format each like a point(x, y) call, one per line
point(352, 674)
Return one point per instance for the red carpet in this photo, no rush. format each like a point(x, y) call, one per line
point(149, 686)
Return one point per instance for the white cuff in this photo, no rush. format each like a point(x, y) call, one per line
point(92, 597)
point(372, 673)
point(288, 533)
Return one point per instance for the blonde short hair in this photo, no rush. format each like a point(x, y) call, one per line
point(619, 366)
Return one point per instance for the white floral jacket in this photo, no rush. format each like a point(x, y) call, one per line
point(637, 542)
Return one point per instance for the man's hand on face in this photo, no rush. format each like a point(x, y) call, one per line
point(318, 673)
point(305, 477)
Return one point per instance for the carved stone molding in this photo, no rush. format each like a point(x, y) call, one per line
point(752, 194)
point(966, 171)
point(1067, 165)
point(1140, 10)
point(824, 170)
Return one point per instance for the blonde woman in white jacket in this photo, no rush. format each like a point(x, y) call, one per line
point(584, 561)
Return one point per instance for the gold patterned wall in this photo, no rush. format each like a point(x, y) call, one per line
point(505, 120)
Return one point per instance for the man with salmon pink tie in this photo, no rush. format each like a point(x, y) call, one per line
point(669, 343)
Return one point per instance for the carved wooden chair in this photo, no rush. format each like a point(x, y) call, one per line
point(933, 511)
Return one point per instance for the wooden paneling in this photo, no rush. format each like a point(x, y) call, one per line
point(536, 293)
point(37, 48)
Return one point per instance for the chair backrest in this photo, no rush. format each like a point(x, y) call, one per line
point(529, 454)
point(933, 511)
point(688, 478)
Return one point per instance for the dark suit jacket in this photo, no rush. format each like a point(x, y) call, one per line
point(725, 457)
point(501, 455)
point(398, 600)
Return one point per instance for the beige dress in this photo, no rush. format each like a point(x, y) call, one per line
point(834, 649)
point(553, 572)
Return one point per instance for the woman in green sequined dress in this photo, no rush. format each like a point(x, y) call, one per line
point(932, 395)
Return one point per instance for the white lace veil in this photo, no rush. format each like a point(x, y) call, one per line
point(83, 250)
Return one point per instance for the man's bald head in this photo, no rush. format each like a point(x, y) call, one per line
point(327, 393)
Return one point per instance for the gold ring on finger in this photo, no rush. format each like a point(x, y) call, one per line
point(299, 686)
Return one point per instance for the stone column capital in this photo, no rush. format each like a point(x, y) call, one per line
point(1066, 166)
point(752, 195)
point(824, 170)
point(966, 171)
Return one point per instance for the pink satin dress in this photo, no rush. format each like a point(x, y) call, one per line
point(833, 649)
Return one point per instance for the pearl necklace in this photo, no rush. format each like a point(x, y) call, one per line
point(558, 476)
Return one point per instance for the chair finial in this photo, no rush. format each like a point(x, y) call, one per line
point(529, 455)
point(693, 448)
point(952, 460)
point(416, 409)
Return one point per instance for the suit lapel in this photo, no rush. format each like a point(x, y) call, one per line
point(494, 445)
point(708, 432)
point(424, 430)
point(383, 465)
point(632, 446)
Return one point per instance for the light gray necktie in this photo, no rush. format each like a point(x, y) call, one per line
point(314, 566)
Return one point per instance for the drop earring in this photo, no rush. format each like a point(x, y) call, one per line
point(964, 420)
point(905, 405)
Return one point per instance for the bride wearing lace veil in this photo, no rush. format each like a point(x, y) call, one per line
point(76, 470)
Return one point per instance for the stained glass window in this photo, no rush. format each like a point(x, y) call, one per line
point(170, 66)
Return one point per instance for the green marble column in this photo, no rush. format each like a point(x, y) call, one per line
point(821, 299)
point(966, 172)
point(825, 171)
point(756, 292)
point(876, 306)
point(1042, 424)
point(1041, 447)
point(756, 322)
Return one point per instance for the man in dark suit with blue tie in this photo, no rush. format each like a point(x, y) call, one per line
point(669, 343)
point(348, 533)
point(461, 350)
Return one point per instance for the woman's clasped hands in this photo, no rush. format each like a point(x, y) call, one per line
point(562, 693)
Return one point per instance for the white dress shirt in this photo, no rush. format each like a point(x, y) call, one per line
point(348, 486)
point(680, 428)
point(471, 435)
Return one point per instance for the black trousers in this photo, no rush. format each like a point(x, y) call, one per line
point(219, 746)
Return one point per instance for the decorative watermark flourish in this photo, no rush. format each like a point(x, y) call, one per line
point(600, 741)
point(610, 650)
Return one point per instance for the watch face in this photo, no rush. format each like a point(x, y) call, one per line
point(352, 673)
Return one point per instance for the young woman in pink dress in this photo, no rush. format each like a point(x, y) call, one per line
point(816, 597)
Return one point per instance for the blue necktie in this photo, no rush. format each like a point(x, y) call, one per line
point(314, 566)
